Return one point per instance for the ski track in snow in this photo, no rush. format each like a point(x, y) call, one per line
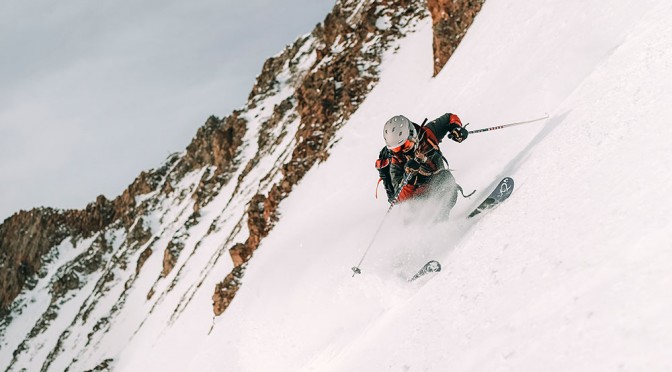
point(570, 273)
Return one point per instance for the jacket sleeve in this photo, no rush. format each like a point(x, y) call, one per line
point(397, 173)
point(443, 124)
point(383, 167)
point(406, 193)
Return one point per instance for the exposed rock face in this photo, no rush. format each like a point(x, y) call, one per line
point(266, 138)
point(215, 144)
point(26, 237)
point(240, 253)
point(143, 257)
point(260, 216)
point(85, 264)
point(139, 233)
point(226, 290)
point(104, 366)
point(170, 256)
point(450, 20)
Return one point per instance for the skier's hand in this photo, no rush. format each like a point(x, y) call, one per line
point(415, 166)
point(457, 133)
point(412, 166)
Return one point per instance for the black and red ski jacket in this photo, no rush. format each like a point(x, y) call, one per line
point(391, 165)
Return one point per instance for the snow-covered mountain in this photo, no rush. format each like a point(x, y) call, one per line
point(571, 273)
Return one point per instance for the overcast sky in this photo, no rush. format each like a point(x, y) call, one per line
point(93, 92)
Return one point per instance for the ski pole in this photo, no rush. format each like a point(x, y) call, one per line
point(404, 181)
point(507, 125)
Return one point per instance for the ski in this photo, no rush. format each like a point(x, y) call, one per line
point(430, 267)
point(498, 195)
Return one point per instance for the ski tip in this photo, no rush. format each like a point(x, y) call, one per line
point(433, 266)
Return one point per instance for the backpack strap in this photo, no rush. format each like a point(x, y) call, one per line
point(433, 141)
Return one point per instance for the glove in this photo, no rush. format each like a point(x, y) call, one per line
point(412, 166)
point(457, 133)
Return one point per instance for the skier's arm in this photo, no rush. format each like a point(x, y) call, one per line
point(383, 166)
point(397, 171)
point(448, 124)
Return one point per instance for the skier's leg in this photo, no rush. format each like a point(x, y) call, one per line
point(445, 192)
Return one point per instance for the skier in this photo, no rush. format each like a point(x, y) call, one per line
point(413, 150)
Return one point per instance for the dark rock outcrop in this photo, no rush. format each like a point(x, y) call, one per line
point(27, 236)
point(215, 144)
point(143, 257)
point(450, 21)
point(226, 290)
point(170, 256)
point(104, 366)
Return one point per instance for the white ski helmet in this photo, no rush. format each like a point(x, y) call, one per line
point(397, 130)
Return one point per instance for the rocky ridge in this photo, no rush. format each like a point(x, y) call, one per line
point(218, 198)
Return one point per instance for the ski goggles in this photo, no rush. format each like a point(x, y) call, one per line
point(405, 147)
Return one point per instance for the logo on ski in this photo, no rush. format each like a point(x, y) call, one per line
point(504, 187)
point(498, 195)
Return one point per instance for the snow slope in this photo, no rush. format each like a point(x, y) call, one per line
point(570, 274)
